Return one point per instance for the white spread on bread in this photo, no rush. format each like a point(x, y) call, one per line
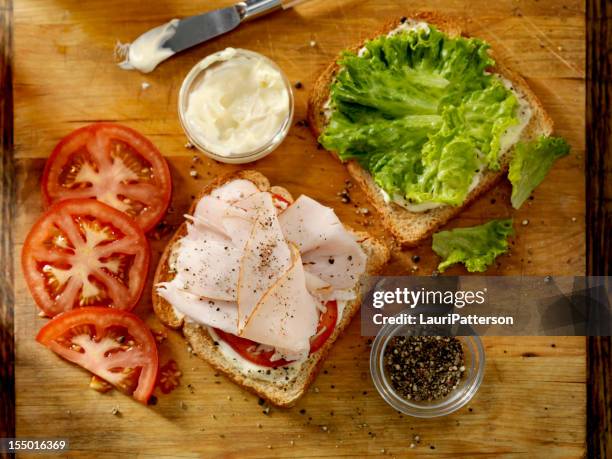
point(279, 375)
point(524, 114)
point(238, 105)
point(148, 50)
point(510, 138)
point(262, 273)
point(408, 25)
point(428, 205)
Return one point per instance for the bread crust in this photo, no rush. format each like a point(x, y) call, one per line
point(412, 228)
point(203, 345)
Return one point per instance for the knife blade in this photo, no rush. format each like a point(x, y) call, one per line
point(158, 44)
point(194, 30)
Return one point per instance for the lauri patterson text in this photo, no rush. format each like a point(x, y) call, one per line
point(448, 319)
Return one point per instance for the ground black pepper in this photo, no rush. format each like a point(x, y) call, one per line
point(424, 368)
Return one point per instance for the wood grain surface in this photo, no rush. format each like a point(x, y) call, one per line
point(533, 400)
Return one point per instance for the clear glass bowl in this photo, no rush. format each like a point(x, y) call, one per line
point(473, 351)
point(193, 79)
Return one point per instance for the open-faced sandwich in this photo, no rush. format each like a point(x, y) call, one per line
point(262, 285)
point(427, 122)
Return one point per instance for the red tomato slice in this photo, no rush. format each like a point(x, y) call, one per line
point(113, 164)
point(114, 345)
point(327, 323)
point(249, 349)
point(279, 202)
point(84, 253)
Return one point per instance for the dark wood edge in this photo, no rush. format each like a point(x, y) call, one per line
point(7, 211)
point(599, 216)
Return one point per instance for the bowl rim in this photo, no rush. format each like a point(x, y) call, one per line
point(457, 399)
point(253, 155)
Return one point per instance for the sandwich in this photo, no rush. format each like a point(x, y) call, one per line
point(425, 119)
point(261, 285)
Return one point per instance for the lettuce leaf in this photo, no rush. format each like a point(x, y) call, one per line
point(421, 113)
point(476, 247)
point(530, 164)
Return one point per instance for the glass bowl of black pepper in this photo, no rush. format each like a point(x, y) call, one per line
point(426, 376)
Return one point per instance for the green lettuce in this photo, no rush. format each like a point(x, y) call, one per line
point(421, 113)
point(476, 247)
point(530, 164)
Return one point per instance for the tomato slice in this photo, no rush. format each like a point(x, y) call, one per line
point(82, 252)
point(250, 350)
point(279, 202)
point(114, 345)
point(327, 323)
point(113, 164)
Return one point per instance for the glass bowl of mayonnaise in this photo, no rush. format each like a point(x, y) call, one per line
point(236, 106)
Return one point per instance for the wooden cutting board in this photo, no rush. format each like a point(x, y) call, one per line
point(534, 394)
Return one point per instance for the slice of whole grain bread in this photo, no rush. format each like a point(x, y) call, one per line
point(412, 228)
point(283, 393)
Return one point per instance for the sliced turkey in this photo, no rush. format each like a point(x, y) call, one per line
point(328, 250)
point(259, 272)
point(265, 259)
point(235, 190)
point(208, 268)
point(214, 313)
point(286, 316)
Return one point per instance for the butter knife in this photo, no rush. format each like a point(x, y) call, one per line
point(158, 44)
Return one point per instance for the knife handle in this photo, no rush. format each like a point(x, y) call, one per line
point(251, 9)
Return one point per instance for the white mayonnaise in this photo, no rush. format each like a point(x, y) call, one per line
point(147, 51)
point(240, 103)
point(524, 113)
point(420, 207)
point(410, 25)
